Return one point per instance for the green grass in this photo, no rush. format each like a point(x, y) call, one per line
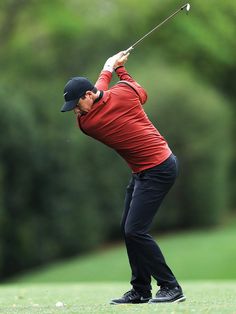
point(202, 297)
point(205, 255)
point(86, 284)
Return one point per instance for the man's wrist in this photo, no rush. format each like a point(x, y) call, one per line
point(120, 66)
point(108, 67)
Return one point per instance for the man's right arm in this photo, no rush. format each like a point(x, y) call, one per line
point(125, 76)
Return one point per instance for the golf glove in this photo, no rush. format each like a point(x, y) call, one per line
point(109, 65)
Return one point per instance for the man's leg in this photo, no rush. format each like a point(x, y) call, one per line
point(143, 279)
point(150, 188)
point(133, 296)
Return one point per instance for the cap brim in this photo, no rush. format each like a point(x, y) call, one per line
point(69, 105)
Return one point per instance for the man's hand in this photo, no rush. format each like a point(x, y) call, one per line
point(122, 59)
point(117, 60)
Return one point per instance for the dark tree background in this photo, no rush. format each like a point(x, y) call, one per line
point(62, 193)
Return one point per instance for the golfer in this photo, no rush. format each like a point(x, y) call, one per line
point(116, 118)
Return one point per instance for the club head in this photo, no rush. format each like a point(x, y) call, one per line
point(186, 7)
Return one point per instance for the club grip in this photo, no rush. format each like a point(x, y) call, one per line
point(128, 50)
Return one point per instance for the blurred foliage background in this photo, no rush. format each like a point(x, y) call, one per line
point(61, 193)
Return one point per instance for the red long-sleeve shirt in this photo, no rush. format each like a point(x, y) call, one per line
point(119, 121)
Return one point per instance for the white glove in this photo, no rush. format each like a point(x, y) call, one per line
point(109, 65)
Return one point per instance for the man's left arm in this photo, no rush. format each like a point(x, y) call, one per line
point(103, 80)
point(105, 76)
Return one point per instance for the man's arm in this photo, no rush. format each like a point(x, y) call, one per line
point(103, 80)
point(117, 62)
point(105, 76)
point(125, 76)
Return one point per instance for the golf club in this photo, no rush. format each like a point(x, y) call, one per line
point(186, 7)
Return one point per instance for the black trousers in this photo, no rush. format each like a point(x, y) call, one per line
point(144, 195)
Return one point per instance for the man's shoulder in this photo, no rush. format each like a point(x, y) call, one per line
point(121, 90)
point(122, 85)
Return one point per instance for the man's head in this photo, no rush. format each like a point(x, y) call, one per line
point(78, 89)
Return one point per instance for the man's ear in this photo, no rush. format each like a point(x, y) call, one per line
point(89, 93)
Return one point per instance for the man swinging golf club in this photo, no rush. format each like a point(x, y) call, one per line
point(116, 118)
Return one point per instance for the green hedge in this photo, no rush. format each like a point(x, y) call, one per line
point(197, 122)
point(62, 193)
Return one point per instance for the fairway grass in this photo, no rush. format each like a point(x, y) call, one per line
point(194, 255)
point(202, 297)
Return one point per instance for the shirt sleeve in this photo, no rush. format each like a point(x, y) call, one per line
point(103, 80)
point(125, 76)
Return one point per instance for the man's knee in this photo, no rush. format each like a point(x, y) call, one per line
point(131, 233)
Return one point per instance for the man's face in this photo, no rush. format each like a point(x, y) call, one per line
point(85, 103)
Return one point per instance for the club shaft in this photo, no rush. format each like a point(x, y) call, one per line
point(155, 28)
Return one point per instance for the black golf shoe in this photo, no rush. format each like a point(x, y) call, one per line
point(166, 294)
point(132, 297)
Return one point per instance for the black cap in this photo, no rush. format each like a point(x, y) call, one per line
point(74, 89)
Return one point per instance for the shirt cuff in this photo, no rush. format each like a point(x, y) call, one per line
point(121, 66)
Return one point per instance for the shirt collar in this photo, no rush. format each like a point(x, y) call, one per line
point(99, 97)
